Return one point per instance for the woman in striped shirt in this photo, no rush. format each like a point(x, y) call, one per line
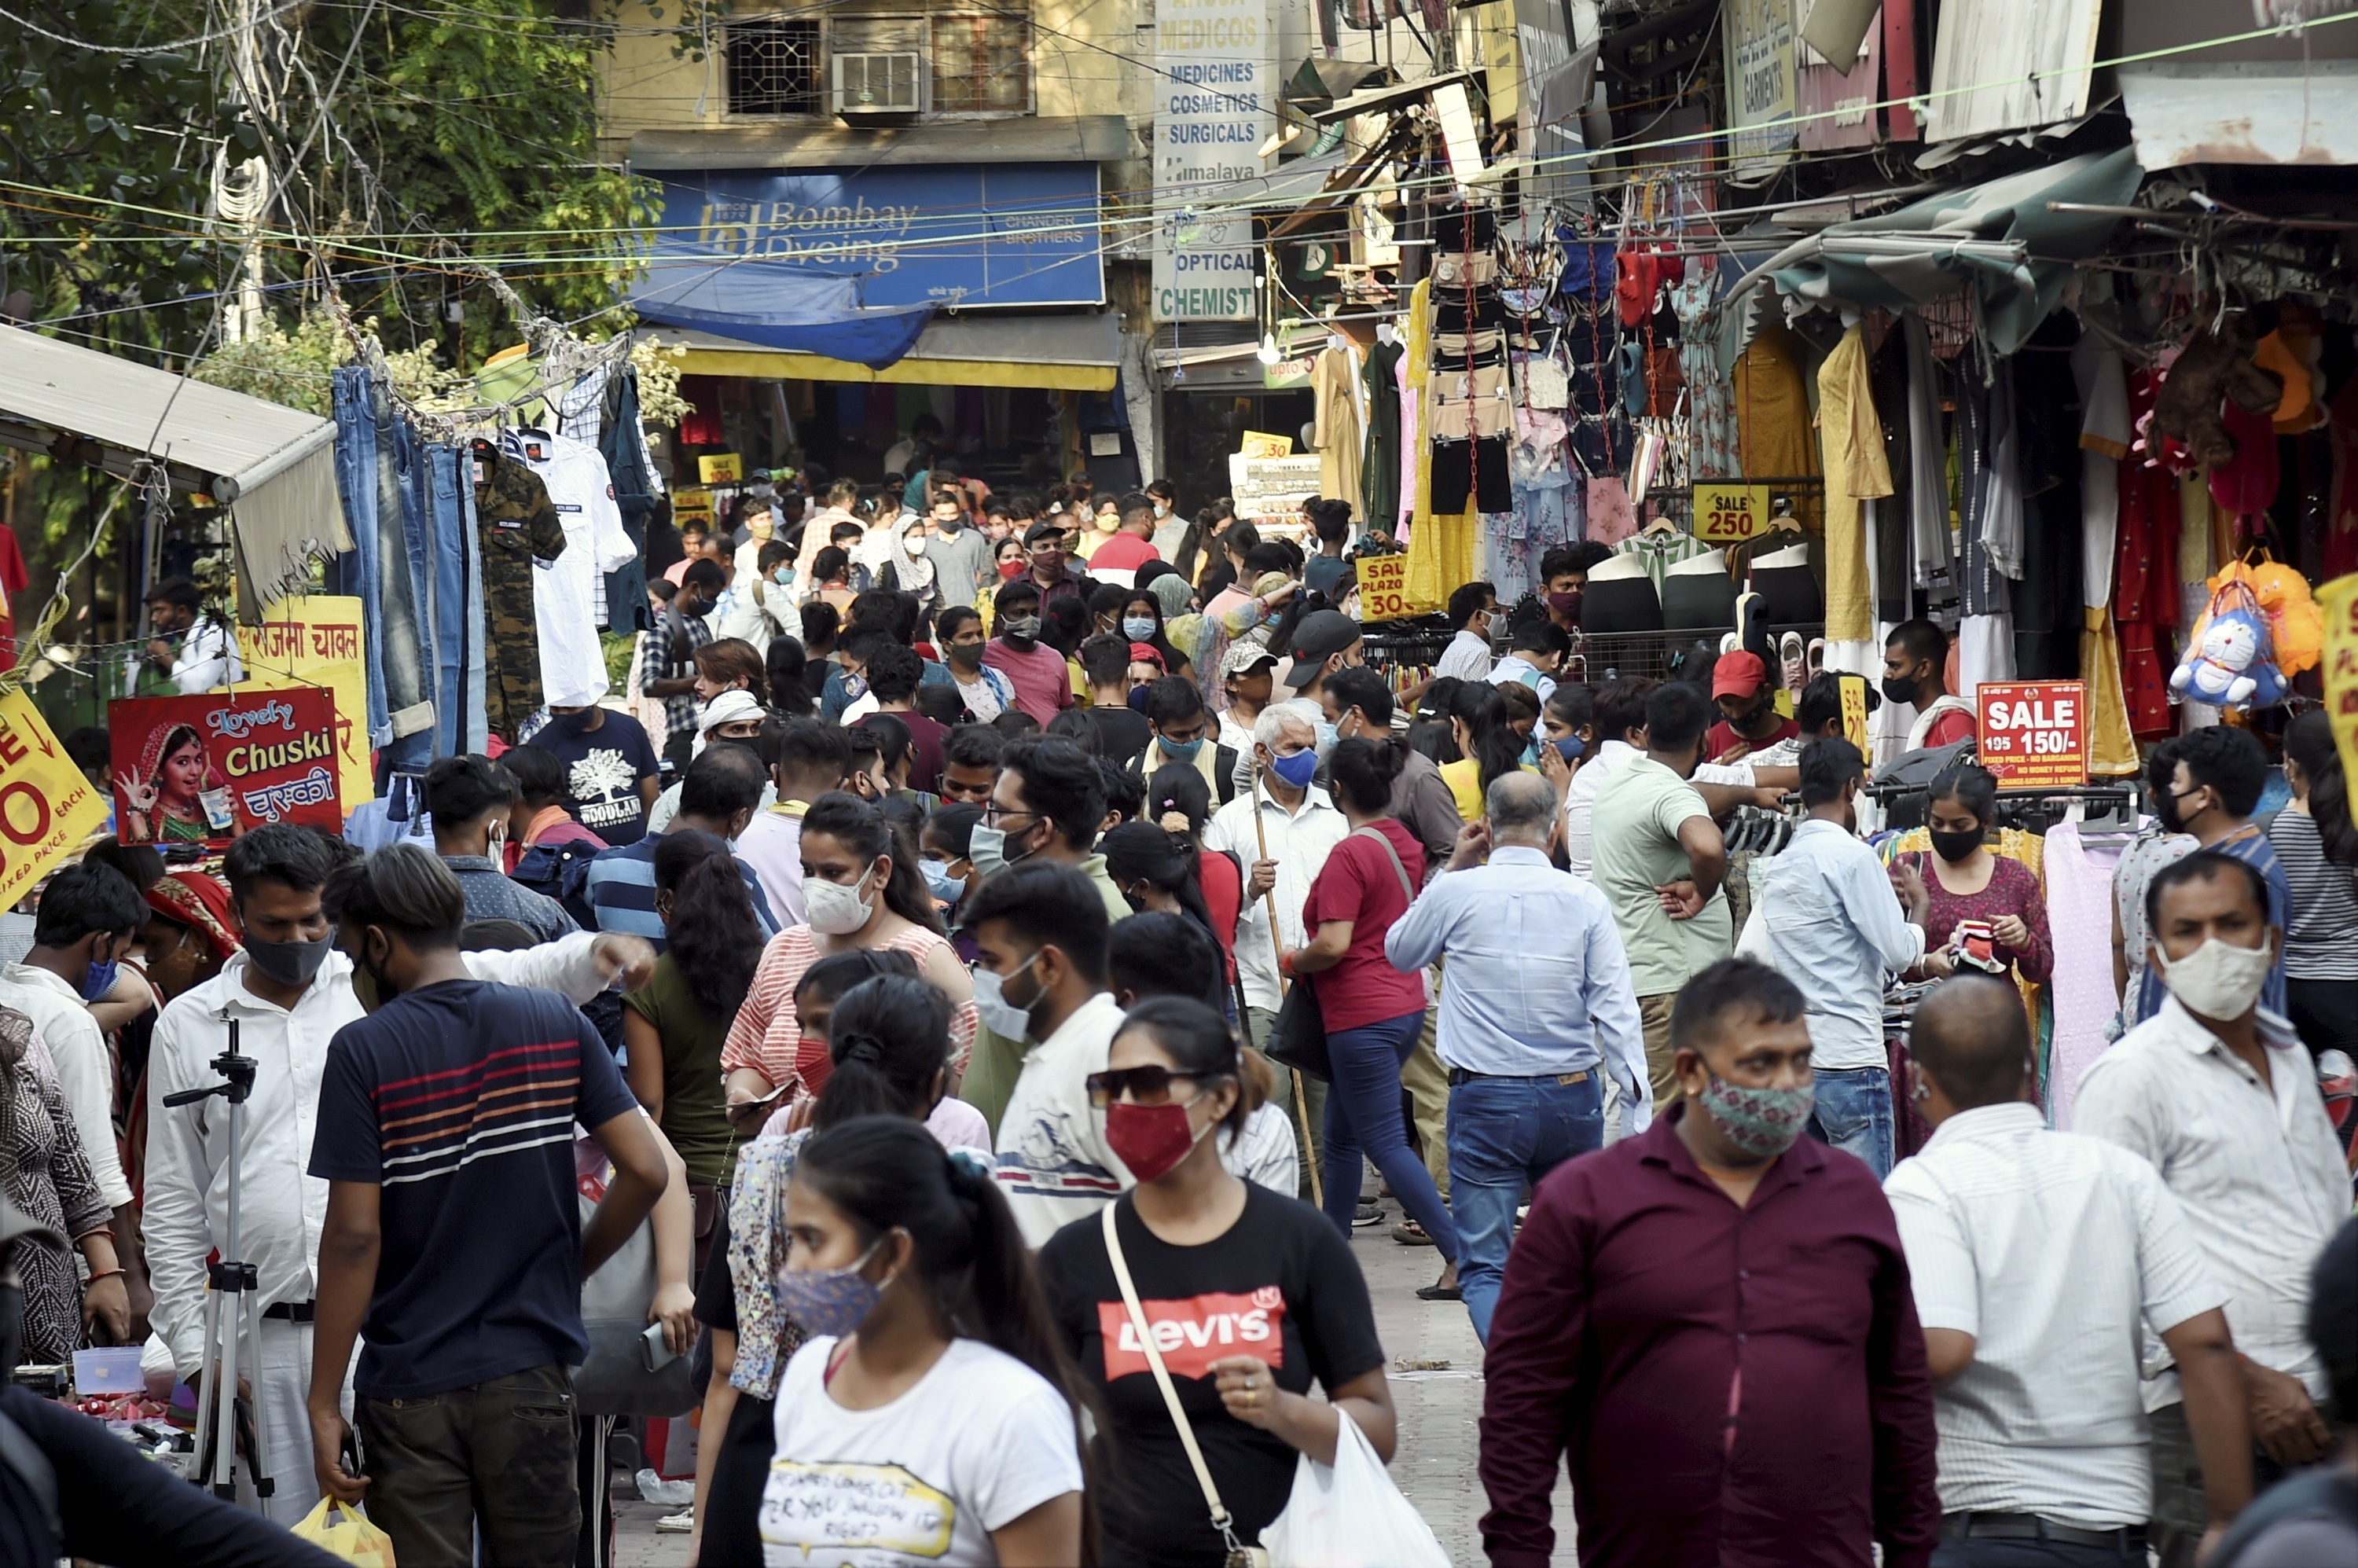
point(2318, 846)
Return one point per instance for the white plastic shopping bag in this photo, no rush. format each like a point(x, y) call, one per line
point(1349, 1515)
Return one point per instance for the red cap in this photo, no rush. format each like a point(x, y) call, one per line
point(1144, 652)
point(1738, 675)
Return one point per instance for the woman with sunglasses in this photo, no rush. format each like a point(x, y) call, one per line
point(1265, 1294)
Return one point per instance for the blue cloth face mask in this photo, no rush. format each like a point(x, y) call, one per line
point(831, 1302)
point(1297, 770)
point(1138, 628)
point(940, 882)
point(1180, 751)
point(97, 980)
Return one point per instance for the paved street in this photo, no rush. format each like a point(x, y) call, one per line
point(1439, 1401)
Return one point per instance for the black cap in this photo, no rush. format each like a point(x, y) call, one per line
point(174, 591)
point(1322, 634)
point(1044, 530)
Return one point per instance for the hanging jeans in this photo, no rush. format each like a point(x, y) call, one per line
point(1363, 1113)
point(457, 601)
point(357, 484)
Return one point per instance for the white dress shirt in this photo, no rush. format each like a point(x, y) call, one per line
point(208, 658)
point(1536, 982)
point(2254, 1165)
point(2054, 1250)
point(281, 1208)
point(1834, 928)
point(1299, 842)
point(1467, 658)
point(1580, 801)
point(85, 1067)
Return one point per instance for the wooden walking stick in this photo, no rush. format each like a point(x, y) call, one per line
point(1277, 957)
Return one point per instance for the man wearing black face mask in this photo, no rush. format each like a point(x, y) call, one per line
point(1564, 577)
point(287, 991)
point(68, 1488)
point(1915, 670)
point(611, 774)
point(1747, 701)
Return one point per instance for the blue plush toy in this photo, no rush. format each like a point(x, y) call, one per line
point(2228, 662)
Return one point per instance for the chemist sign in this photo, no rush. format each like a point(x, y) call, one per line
point(1216, 103)
point(2033, 735)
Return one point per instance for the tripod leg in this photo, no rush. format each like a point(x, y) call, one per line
point(225, 1396)
point(263, 1484)
point(211, 1366)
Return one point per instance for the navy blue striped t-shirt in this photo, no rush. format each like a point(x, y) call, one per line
point(458, 1100)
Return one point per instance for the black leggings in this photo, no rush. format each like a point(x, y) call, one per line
point(2326, 1014)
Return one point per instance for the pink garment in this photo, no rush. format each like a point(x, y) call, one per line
point(1411, 422)
point(2080, 913)
point(2246, 486)
point(1611, 517)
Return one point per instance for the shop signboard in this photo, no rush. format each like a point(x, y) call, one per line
point(315, 640)
point(1854, 710)
point(1216, 98)
point(1384, 592)
point(194, 770)
point(2033, 733)
point(720, 467)
point(47, 807)
point(958, 234)
point(1258, 444)
point(1729, 513)
point(2339, 600)
point(1271, 490)
point(1764, 87)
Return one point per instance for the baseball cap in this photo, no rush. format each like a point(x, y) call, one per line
point(1144, 653)
point(1322, 634)
point(1737, 674)
point(1243, 658)
point(1044, 530)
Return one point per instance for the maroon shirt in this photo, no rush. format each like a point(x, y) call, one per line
point(1743, 1386)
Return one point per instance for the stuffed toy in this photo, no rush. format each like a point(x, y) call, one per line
point(2230, 660)
point(2296, 625)
point(2214, 366)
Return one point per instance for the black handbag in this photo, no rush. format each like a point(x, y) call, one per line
point(1298, 1040)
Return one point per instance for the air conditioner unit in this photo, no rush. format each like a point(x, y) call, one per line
point(880, 88)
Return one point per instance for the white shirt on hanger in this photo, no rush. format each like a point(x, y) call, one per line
point(566, 590)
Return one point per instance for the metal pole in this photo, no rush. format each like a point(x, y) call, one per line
point(1277, 956)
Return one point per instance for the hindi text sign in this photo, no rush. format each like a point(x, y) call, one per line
point(47, 807)
point(193, 770)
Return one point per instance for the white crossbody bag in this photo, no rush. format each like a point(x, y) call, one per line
point(1240, 1555)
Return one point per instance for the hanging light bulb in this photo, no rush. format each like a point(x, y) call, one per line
point(1267, 352)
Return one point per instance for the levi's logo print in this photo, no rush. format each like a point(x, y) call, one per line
point(1195, 1333)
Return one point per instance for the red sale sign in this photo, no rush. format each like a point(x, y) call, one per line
point(2033, 733)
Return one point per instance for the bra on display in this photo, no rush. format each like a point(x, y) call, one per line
point(1698, 592)
point(1619, 598)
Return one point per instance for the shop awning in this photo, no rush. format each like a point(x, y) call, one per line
point(2242, 112)
point(273, 466)
point(770, 305)
point(1069, 354)
point(1998, 238)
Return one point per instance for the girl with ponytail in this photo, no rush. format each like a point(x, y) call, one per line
point(934, 1371)
point(2317, 845)
point(1179, 802)
point(675, 1025)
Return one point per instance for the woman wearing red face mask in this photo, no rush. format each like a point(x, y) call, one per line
point(1265, 1290)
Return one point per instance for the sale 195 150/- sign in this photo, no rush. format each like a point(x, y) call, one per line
point(2033, 733)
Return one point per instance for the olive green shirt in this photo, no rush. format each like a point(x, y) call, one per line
point(692, 1116)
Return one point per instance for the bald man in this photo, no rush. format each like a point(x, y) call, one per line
point(2039, 1260)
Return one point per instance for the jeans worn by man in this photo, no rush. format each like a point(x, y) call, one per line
point(1525, 1043)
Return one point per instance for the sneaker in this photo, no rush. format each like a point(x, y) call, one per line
point(680, 1523)
point(1368, 1215)
point(1794, 662)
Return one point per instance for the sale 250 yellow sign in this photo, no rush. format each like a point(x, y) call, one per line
point(47, 807)
point(1729, 513)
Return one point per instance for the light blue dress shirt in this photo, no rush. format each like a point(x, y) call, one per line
point(1834, 928)
point(1536, 982)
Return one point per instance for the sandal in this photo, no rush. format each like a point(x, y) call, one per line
point(1439, 1292)
point(1408, 1233)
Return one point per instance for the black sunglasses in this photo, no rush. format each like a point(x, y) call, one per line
point(1143, 1086)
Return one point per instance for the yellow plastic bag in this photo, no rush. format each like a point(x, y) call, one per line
point(346, 1535)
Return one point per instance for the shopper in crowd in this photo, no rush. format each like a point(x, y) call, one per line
point(2206, 785)
point(786, 670)
point(1041, 977)
point(1836, 922)
point(672, 646)
point(831, 579)
point(894, 673)
point(1747, 701)
point(2038, 1259)
point(1766, 1401)
point(987, 692)
point(970, 764)
point(1144, 619)
point(1037, 673)
point(1658, 859)
point(1473, 607)
point(472, 800)
point(1046, 548)
point(1534, 651)
point(2317, 844)
point(467, 1269)
point(862, 890)
point(1323, 642)
point(1915, 671)
point(1181, 726)
point(945, 842)
point(958, 552)
point(2215, 1091)
point(1358, 702)
point(85, 924)
point(719, 795)
point(1563, 577)
point(1156, 870)
point(1371, 1010)
point(1618, 709)
point(611, 773)
point(932, 1362)
point(1116, 730)
point(1488, 749)
point(539, 815)
point(189, 651)
point(1965, 881)
point(1527, 1047)
point(1048, 802)
point(811, 758)
point(1248, 679)
point(674, 1026)
point(730, 663)
point(45, 1176)
point(1200, 1245)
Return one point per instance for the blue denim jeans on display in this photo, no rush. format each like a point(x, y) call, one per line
point(1363, 1112)
point(357, 484)
point(448, 520)
point(1504, 1135)
point(404, 569)
point(1854, 1114)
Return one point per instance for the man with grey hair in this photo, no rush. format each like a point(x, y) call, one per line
point(1538, 1010)
point(1281, 828)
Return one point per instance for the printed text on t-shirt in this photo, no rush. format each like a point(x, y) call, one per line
point(1195, 1333)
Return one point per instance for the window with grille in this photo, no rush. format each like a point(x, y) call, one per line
point(981, 64)
point(773, 68)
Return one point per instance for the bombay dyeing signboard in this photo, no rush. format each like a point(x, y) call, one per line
point(196, 769)
point(1215, 85)
point(1024, 234)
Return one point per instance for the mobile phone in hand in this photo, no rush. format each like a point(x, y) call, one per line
point(656, 1349)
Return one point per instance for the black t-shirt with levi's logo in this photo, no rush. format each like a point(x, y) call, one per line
point(1280, 1286)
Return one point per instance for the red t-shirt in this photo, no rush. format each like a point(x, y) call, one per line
point(1122, 553)
point(1224, 896)
point(1949, 729)
point(1043, 682)
point(1359, 885)
point(1723, 739)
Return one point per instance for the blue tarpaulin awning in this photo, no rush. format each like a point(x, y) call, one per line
point(776, 306)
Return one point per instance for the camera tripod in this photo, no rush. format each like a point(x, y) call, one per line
point(232, 1306)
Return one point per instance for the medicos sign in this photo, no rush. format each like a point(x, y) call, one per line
point(1215, 102)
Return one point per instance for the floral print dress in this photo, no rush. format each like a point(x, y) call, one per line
point(43, 1173)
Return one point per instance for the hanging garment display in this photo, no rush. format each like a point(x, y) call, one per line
point(1379, 470)
point(1337, 432)
point(622, 442)
point(572, 660)
point(1658, 548)
point(1710, 408)
point(2046, 598)
point(1772, 410)
point(1891, 522)
point(1855, 469)
point(13, 579)
point(1931, 542)
point(514, 523)
point(375, 450)
point(2145, 603)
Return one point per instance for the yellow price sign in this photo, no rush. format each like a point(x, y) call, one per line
point(1383, 589)
point(1255, 444)
point(47, 807)
point(1729, 513)
point(2339, 600)
point(1853, 709)
point(720, 467)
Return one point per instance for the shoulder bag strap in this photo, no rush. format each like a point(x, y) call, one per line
point(1145, 1331)
point(1391, 853)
